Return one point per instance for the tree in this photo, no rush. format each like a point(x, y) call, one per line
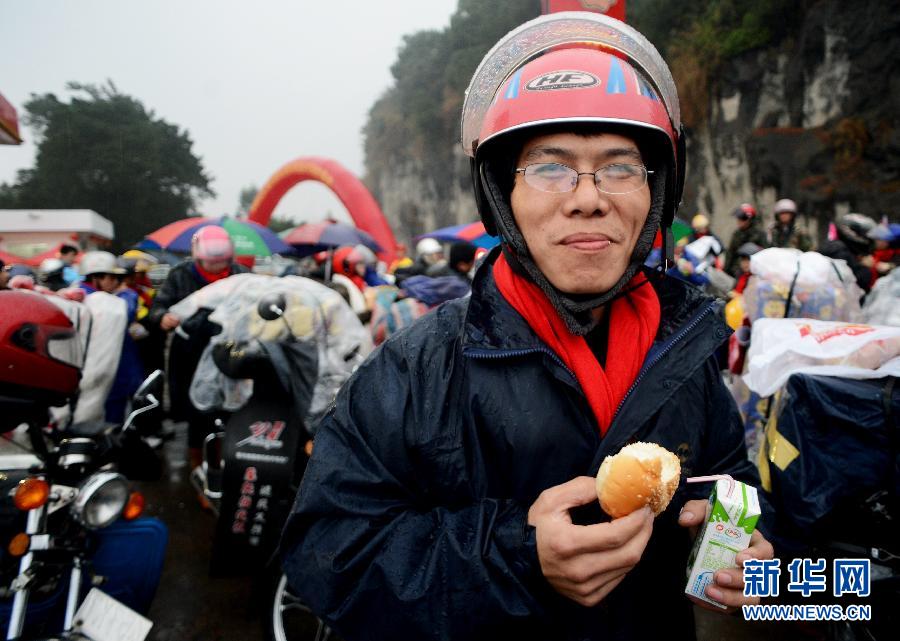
point(245, 200)
point(103, 150)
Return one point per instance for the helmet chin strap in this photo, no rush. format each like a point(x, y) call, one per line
point(574, 309)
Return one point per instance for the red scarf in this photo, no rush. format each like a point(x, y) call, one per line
point(211, 277)
point(632, 328)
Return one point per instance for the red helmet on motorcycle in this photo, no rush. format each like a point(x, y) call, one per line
point(40, 352)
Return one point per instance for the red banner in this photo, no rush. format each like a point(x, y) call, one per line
point(9, 124)
point(612, 8)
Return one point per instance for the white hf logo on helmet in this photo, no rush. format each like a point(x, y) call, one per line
point(563, 80)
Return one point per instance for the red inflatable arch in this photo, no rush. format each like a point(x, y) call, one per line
point(352, 193)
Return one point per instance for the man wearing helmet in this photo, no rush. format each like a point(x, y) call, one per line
point(428, 254)
point(854, 246)
point(450, 493)
point(748, 231)
point(212, 254)
point(101, 273)
point(785, 231)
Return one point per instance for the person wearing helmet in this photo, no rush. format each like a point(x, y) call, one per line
point(150, 338)
point(460, 261)
point(854, 245)
point(748, 231)
point(428, 254)
point(101, 272)
point(785, 231)
point(450, 493)
point(50, 274)
point(212, 259)
point(744, 253)
point(886, 253)
point(700, 228)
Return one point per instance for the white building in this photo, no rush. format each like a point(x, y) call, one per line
point(29, 232)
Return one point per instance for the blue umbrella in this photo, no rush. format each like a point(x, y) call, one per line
point(474, 233)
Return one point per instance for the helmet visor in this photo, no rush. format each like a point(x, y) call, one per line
point(65, 346)
point(546, 32)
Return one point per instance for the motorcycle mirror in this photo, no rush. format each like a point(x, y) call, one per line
point(152, 404)
point(151, 385)
point(271, 306)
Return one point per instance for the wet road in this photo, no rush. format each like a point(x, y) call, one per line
point(189, 605)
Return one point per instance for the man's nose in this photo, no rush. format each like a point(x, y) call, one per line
point(586, 199)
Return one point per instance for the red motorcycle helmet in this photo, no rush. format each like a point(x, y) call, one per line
point(578, 68)
point(40, 352)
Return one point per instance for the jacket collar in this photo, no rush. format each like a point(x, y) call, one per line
point(492, 324)
point(691, 328)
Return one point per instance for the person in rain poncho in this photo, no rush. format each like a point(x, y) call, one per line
point(212, 255)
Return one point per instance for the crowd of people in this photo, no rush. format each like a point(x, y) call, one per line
point(871, 249)
point(156, 338)
point(451, 490)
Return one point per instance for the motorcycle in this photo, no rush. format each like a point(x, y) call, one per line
point(82, 531)
point(837, 493)
point(252, 467)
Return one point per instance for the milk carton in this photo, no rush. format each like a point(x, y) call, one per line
point(731, 518)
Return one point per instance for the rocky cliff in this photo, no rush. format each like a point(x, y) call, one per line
point(814, 116)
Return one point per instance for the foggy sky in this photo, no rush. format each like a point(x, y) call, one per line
point(256, 84)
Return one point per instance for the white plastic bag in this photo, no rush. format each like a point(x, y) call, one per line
point(781, 347)
point(313, 312)
point(819, 287)
point(883, 302)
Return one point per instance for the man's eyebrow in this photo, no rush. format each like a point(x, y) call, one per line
point(568, 155)
point(558, 152)
point(618, 152)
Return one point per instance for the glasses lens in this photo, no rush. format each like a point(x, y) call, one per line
point(551, 176)
point(621, 179)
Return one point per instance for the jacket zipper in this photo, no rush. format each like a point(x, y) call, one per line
point(659, 355)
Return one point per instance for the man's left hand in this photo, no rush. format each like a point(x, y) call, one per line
point(728, 585)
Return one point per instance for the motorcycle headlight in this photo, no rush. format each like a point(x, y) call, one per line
point(100, 500)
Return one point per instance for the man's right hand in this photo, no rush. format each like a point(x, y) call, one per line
point(169, 321)
point(585, 562)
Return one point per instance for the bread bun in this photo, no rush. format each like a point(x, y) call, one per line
point(640, 474)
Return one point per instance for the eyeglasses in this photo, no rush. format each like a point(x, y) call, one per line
point(614, 179)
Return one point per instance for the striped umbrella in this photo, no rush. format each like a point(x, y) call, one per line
point(474, 233)
point(249, 238)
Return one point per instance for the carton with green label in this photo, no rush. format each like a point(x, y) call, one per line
point(732, 514)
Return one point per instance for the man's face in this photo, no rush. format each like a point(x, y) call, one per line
point(4, 276)
point(67, 257)
point(743, 223)
point(785, 217)
point(581, 240)
point(745, 264)
point(107, 283)
point(215, 266)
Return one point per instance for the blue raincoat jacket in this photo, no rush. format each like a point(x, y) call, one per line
point(411, 519)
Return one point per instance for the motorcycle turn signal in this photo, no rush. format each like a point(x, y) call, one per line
point(135, 506)
point(31, 493)
point(19, 544)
